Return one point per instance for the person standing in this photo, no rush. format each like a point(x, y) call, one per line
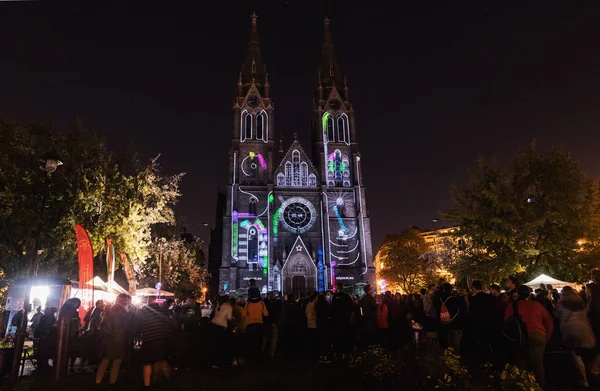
point(35, 320)
point(382, 321)
point(154, 330)
point(271, 327)
point(255, 310)
point(292, 320)
point(539, 325)
point(323, 312)
point(481, 316)
point(343, 312)
point(368, 309)
point(311, 325)
point(221, 340)
point(114, 337)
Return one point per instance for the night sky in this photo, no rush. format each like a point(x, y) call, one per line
point(434, 84)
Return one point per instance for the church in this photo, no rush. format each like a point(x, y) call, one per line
point(294, 223)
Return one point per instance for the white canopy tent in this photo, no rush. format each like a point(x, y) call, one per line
point(544, 279)
point(152, 292)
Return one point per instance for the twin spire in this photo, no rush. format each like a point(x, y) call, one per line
point(253, 68)
point(329, 72)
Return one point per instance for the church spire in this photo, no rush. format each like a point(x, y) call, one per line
point(330, 74)
point(253, 69)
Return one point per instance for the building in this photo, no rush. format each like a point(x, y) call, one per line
point(294, 222)
point(442, 244)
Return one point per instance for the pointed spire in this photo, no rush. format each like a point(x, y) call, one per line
point(254, 68)
point(330, 74)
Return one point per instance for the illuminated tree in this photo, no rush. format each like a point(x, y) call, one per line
point(527, 217)
point(183, 266)
point(111, 194)
point(405, 261)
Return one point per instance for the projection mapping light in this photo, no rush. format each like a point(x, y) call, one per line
point(249, 162)
point(321, 270)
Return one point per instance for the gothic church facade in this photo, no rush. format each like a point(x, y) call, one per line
point(294, 223)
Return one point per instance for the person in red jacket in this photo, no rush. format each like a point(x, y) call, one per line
point(539, 330)
point(382, 320)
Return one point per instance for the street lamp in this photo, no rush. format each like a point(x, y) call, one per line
point(50, 162)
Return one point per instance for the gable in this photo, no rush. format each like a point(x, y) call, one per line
point(299, 251)
point(296, 169)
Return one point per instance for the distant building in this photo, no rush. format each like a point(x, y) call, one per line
point(439, 241)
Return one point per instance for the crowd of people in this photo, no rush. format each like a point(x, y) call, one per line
point(490, 324)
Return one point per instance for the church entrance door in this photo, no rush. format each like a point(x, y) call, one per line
point(299, 286)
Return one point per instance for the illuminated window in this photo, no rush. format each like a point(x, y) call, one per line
point(304, 174)
point(330, 181)
point(259, 126)
point(338, 166)
point(280, 179)
point(288, 174)
point(341, 129)
point(247, 123)
point(345, 168)
point(296, 167)
point(252, 206)
point(330, 69)
point(253, 66)
point(252, 245)
point(330, 137)
point(312, 180)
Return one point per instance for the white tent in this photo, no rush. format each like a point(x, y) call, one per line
point(152, 292)
point(544, 279)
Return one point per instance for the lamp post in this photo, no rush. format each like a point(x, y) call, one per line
point(50, 162)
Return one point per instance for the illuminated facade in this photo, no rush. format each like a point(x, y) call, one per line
point(294, 222)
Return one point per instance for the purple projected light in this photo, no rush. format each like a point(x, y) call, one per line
point(261, 159)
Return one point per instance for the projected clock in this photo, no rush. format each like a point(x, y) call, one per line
point(298, 214)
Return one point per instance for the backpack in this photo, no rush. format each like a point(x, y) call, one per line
point(445, 316)
point(514, 330)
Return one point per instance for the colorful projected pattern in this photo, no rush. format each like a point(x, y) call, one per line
point(339, 217)
point(234, 235)
point(325, 118)
point(321, 270)
point(261, 159)
point(276, 221)
point(333, 263)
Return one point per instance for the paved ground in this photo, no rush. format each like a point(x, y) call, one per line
point(272, 375)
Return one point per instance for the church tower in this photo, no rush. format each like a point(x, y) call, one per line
point(336, 153)
point(245, 233)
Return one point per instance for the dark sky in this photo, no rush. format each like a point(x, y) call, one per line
point(435, 84)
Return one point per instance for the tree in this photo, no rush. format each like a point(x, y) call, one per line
point(405, 261)
point(527, 217)
point(182, 266)
point(111, 194)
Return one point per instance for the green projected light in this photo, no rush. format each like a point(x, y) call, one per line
point(325, 118)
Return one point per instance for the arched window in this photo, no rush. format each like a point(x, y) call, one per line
point(288, 174)
point(259, 126)
point(312, 180)
point(304, 174)
point(338, 166)
point(252, 245)
point(341, 129)
point(253, 66)
point(330, 181)
point(330, 136)
point(247, 122)
point(280, 179)
point(252, 206)
point(296, 172)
